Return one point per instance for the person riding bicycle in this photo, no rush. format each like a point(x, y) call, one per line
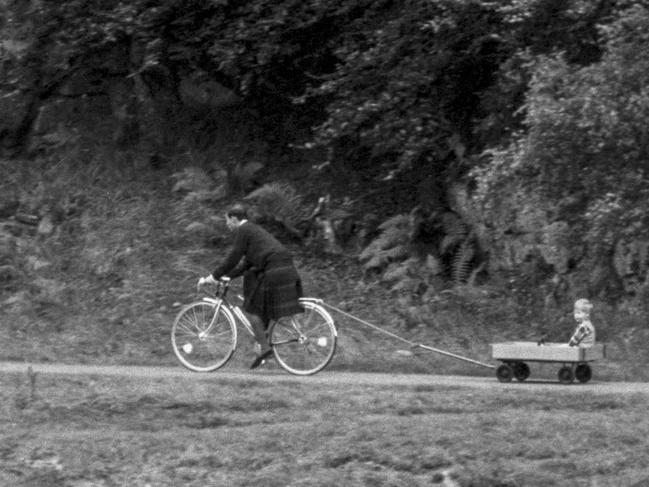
point(271, 284)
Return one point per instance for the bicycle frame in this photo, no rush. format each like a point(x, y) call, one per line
point(236, 311)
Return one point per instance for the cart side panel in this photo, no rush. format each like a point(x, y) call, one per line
point(550, 352)
point(596, 352)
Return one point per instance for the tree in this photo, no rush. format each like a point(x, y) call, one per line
point(583, 155)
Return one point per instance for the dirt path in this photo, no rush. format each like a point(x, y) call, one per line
point(325, 377)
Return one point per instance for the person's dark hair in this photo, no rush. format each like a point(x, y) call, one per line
point(237, 210)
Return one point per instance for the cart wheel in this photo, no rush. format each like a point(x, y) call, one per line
point(521, 371)
point(566, 375)
point(583, 372)
point(504, 373)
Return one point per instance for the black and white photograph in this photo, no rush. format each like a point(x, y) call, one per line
point(324, 243)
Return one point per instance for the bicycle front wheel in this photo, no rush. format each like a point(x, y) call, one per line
point(204, 340)
point(305, 343)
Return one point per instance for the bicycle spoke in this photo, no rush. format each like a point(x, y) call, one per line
point(187, 331)
point(277, 343)
point(313, 323)
point(304, 343)
point(196, 320)
point(203, 338)
point(192, 321)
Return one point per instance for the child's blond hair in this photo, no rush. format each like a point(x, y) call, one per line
point(583, 305)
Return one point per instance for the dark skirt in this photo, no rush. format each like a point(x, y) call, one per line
point(273, 292)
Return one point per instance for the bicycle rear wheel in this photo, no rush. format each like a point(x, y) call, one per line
point(305, 343)
point(202, 340)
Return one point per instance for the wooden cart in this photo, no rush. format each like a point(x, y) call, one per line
point(575, 361)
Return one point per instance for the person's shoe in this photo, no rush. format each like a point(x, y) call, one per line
point(259, 359)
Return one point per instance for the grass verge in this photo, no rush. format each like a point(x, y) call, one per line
point(76, 431)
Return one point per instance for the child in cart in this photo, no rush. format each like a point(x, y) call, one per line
point(584, 334)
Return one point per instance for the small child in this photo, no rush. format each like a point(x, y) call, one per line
point(584, 335)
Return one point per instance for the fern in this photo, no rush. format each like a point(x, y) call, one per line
point(461, 265)
point(396, 272)
point(391, 245)
point(381, 258)
point(191, 179)
point(398, 221)
point(455, 232)
point(278, 201)
point(242, 176)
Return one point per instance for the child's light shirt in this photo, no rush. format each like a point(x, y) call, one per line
point(584, 335)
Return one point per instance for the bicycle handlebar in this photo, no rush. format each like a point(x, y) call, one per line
point(221, 285)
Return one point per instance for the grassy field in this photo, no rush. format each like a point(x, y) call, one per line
point(83, 431)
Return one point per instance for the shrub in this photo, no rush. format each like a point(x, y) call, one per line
point(582, 158)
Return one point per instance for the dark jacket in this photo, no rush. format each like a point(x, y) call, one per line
point(271, 284)
point(256, 246)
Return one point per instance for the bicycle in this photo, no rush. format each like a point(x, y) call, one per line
point(204, 334)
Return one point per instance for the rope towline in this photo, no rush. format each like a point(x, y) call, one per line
point(459, 357)
point(410, 343)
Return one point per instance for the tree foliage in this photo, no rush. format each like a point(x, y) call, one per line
point(395, 84)
point(585, 136)
point(582, 157)
point(409, 93)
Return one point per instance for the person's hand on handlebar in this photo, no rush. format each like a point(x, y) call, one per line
point(207, 280)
